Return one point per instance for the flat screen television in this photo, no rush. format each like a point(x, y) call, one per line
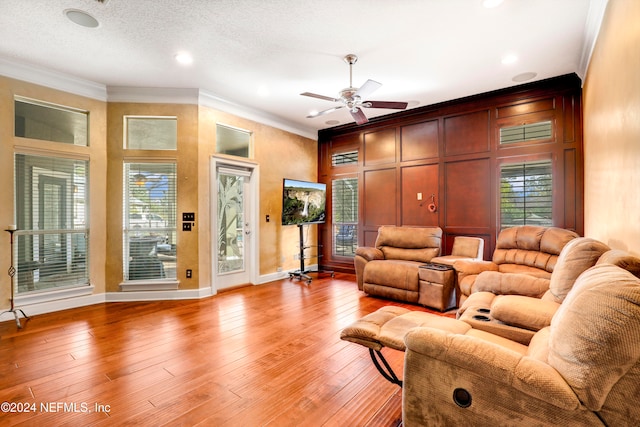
point(303, 202)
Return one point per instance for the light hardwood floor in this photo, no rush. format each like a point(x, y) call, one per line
point(254, 356)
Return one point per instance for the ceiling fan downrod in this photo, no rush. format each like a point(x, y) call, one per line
point(351, 59)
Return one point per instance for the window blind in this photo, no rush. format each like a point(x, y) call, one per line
point(344, 204)
point(51, 213)
point(149, 220)
point(526, 194)
point(526, 132)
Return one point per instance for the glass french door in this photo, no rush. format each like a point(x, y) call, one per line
point(234, 228)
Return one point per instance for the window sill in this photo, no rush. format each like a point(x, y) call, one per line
point(141, 285)
point(53, 295)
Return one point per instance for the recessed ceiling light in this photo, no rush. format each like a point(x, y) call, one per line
point(509, 59)
point(524, 77)
point(184, 58)
point(332, 122)
point(81, 18)
point(491, 3)
point(263, 91)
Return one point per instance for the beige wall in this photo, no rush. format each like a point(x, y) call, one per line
point(280, 155)
point(612, 130)
point(95, 152)
point(187, 183)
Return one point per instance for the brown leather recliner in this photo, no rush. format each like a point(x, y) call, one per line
point(582, 370)
point(526, 249)
point(390, 269)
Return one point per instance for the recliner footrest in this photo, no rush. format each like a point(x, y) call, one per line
point(387, 326)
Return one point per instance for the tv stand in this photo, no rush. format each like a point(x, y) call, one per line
point(302, 273)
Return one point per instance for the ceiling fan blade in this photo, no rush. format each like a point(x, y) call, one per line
point(359, 116)
point(385, 104)
point(315, 95)
point(327, 111)
point(368, 88)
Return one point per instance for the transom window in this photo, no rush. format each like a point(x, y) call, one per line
point(151, 133)
point(50, 122)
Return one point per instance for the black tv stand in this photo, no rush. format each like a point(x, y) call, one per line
point(302, 273)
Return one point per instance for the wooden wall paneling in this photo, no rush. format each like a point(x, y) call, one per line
point(370, 237)
point(380, 147)
point(467, 133)
point(380, 197)
point(570, 190)
point(468, 194)
point(419, 141)
point(526, 107)
point(419, 179)
point(569, 118)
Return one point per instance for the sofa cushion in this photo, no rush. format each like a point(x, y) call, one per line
point(510, 284)
point(409, 243)
point(595, 335)
point(577, 256)
point(532, 246)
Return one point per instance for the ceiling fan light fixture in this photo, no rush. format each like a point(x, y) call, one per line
point(81, 18)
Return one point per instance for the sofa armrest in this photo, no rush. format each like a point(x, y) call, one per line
point(466, 267)
point(369, 253)
point(466, 358)
point(523, 312)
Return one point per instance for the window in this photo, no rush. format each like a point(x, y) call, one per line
point(51, 206)
point(49, 122)
point(149, 221)
point(151, 133)
point(232, 141)
point(348, 158)
point(345, 216)
point(526, 132)
point(526, 191)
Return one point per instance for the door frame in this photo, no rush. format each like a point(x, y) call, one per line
point(252, 251)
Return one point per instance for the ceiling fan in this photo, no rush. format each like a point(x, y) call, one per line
point(352, 97)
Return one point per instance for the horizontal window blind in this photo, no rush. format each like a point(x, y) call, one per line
point(149, 220)
point(526, 194)
point(526, 132)
point(348, 158)
point(344, 204)
point(51, 207)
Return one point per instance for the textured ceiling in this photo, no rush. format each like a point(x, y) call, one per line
point(259, 55)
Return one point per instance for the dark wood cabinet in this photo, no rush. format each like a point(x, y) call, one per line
point(451, 154)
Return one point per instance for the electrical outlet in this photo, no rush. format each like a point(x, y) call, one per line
point(189, 273)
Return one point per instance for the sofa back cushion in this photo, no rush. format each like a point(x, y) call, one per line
point(594, 337)
point(532, 246)
point(577, 256)
point(409, 243)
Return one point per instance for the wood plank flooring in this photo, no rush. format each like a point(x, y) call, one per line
point(255, 356)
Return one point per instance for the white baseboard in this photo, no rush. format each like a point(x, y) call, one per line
point(78, 297)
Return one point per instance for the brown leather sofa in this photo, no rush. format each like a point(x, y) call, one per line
point(516, 305)
point(527, 249)
point(390, 269)
point(582, 370)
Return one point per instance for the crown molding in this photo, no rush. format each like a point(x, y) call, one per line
point(52, 79)
point(208, 99)
point(595, 16)
point(70, 84)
